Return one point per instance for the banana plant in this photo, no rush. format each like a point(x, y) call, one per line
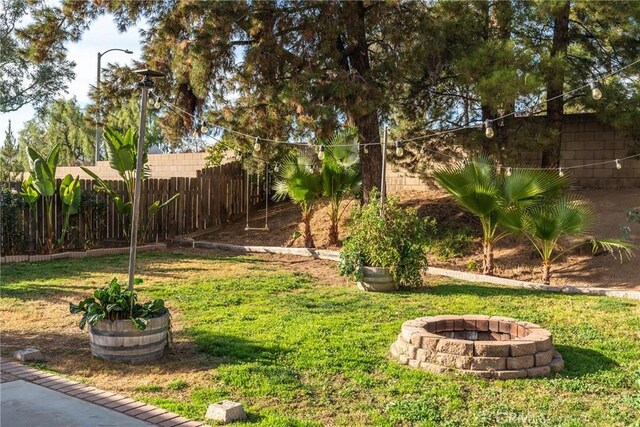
point(30, 195)
point(122, 156)
point(70, 196)
point(43, 180)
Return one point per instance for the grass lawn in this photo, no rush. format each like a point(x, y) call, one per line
point(299, 347)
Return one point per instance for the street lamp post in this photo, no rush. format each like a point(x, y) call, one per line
point(145, 85)
point(98, 115)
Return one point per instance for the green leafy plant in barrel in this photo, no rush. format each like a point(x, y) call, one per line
point(115, 302)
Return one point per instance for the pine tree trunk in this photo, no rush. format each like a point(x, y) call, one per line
point(487, 259)
point(546, 274)
point(362, 105)
point(555, 83)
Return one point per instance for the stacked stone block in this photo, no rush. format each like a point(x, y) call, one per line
point(486, 346)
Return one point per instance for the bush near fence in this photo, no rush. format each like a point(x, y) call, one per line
point(214, 197)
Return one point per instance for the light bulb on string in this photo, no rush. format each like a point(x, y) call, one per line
point(560, 172)
point(257, 146)
point(488, 129)
point(321, 152)
point(399, 149)
point(157, 104)
point(618, 164)
point(508, 171)
point(366, 150)
point(596, 92)
point(276, 168)
point(203, 128)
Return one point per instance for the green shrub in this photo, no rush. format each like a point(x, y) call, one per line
point(115, 303)
point(13, 238)
point(446, 242)
point(396, 240)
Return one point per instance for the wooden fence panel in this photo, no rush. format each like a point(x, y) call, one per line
point(214, 197)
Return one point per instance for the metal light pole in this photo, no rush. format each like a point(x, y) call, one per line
point(383, 183)
point(145, 84)
point(98, 115)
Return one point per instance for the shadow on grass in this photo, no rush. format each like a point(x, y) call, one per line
point(583, 361)
point(68, 269)
point(70, 353)
point(231, 349)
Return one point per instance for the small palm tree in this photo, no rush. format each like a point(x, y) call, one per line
point(340, 175)
point(298, 181)
point(497, 200)
point(545, 224)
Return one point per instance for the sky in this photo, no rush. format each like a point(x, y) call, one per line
point(101, 36)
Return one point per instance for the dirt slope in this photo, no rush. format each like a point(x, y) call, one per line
point(515, 258)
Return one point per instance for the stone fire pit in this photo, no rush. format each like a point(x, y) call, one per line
point(487, 346)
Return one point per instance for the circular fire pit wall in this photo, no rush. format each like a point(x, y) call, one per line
point(487, 346)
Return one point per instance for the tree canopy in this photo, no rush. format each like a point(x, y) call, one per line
point(291, 70)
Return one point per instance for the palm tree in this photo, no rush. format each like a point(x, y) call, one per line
point(496, 199)
point(340, 175)
point(546, 223)
point(298, 181)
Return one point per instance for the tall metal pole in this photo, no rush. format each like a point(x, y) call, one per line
point(383, 183)
point(98, 118)
point(145, 84)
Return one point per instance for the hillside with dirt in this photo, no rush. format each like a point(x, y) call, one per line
point(457, 240)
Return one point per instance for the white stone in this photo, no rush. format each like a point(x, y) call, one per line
point(226, 411)
point(28, 354)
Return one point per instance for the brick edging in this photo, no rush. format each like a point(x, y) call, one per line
point(12, 371)
point(436, 271)
point(9, 259)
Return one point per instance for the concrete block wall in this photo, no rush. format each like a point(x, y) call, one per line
point(160, 166)
point(584, 141)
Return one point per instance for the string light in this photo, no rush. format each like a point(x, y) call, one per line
point(157, 105)
point(508, 171)
point(488, 129)
point(596, 93)
point(321, 152)
point(203, 128)
point(399, 149)
point(257, 145)
point(276, 168)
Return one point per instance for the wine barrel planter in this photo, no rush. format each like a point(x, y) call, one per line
point(376, 279)
point(120, 340)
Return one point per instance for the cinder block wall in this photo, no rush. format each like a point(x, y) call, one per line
point(584, 141)
point(160, 165)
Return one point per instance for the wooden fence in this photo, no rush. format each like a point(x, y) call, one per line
point(213, 198)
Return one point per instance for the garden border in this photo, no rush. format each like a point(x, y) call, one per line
point(436, 271)
point(10, 259)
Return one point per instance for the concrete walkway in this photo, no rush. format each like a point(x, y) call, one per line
point(32, 398)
